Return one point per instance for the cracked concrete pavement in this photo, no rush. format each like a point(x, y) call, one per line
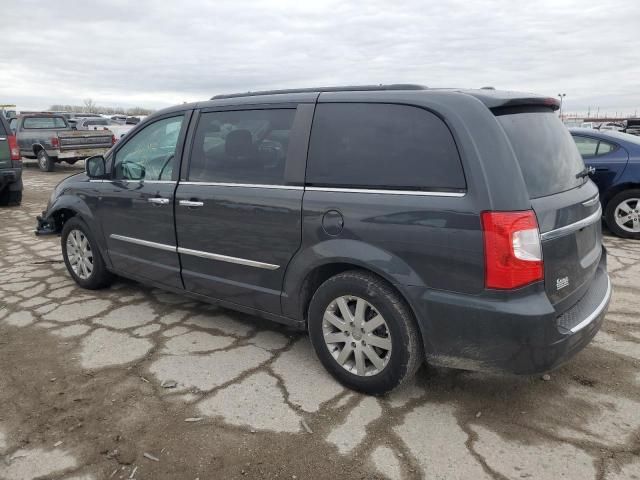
point(91, 381)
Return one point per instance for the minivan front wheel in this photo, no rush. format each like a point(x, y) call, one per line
point(82, 257)
point(623, 214)
point(364, 333)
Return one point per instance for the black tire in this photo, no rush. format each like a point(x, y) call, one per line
point(45, 163)
point(71, 162)
point(99, 277)
point(9, 198)
point(406, 353)
point(612, 207)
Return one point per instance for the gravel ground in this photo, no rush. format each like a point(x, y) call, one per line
point(133, 382)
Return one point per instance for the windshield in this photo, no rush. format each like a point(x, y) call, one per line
point(548, 156)
point(44, 122)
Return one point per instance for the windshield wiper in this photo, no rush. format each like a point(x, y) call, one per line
point(585, 172)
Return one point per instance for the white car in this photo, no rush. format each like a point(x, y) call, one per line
point(93, 123)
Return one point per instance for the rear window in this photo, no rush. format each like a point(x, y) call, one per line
point(44, 122)
point(382, 146)
point(546, 152)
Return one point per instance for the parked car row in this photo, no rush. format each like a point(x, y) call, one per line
point(118, 129)
point(50, 139)
point(376, 218)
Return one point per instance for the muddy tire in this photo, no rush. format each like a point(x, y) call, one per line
point(82, 256)
point(364, 333)
point(45, 163)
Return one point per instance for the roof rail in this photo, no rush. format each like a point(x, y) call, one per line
point(351, 88)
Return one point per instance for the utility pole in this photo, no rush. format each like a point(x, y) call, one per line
point(561, 95)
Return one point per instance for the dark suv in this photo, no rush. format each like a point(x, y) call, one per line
point(395, 223)
point(10, 166)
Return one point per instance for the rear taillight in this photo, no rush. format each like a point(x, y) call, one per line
point(13, 147)
point(55, 142)
point(512, 249)
point(113, 139)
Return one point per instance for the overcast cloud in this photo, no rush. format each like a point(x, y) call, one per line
point(154, 54)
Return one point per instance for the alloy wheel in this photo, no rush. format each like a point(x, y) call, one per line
point(79, 254)
point(627, 215)
point(356, 335)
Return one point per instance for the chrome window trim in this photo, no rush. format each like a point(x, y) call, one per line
point(226, 258)
point(144, 243)
point(597, 311)
point(423, 193)
point(132, 181)
point(245, 185)
point(567, 229)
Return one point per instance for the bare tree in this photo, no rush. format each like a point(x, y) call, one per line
point(90, 106)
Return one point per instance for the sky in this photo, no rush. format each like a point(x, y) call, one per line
point(159, 53)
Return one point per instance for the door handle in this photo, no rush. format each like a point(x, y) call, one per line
point(158, 201)
point(190, 203)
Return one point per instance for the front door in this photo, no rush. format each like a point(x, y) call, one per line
point(136, 205)
point(238, 217)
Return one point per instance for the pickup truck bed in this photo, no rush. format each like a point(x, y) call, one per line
point(50, 139)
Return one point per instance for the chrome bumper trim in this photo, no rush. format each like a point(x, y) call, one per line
point(596, 313)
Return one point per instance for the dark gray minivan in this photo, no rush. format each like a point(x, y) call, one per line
point(396, 223)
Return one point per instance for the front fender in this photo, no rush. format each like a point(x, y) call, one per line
point(343, 251)
point(73, 205)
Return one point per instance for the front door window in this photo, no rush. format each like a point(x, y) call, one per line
point(150, 154)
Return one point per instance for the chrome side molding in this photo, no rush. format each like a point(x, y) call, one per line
point(195, 253)
point(144, 243)
point(226, 258)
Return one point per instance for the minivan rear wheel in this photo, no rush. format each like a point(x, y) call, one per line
point(82, 256)
point(364, 333)
point(623, 214)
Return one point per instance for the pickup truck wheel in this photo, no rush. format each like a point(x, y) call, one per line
point(82, 256)
point(44, 161)
point(71, 162)
point(623, 214)
point(364, 333)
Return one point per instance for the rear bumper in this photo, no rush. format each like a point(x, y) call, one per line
point(80, 153)
point(11, 177)
point(517, 332)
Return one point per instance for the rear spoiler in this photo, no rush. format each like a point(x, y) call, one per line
point(497, 99)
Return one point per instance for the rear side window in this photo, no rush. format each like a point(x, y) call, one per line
point(382, 146)
point(592, 147)
point(44, 122)
point(586, 146)
point(548, 156)
point(244, 146)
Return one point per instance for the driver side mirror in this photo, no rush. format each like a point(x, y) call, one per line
point(95, 167)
